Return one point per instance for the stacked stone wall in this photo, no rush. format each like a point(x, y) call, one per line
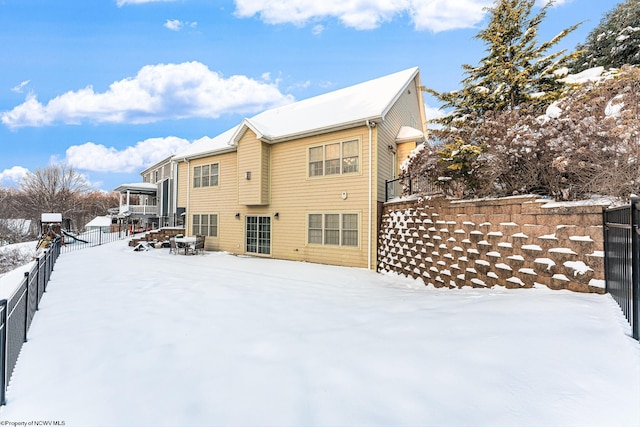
point(516, 242)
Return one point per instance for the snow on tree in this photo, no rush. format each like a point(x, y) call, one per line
point(587, 143)
point(516, 70)
point(615, 41)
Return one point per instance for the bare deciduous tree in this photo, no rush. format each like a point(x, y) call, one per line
point(55, 188)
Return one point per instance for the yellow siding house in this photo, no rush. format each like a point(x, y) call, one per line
point(305, 181)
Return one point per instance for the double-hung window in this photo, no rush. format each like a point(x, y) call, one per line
point(333, 229)
point(206, 175)
point(334, 159)
point(205, 224)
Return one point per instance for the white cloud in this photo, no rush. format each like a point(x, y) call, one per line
point(173, 24)
point(434, 15)
point(14, 175)
point(299, 86)
point(98, 158)
point(177, 25)
point(121, 3)
point(433, 113)
point(20, 88)
point(317, 29)
point(157, 92)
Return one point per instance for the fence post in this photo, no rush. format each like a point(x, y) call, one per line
point(37, 283)
point(635, 270)
point(386, 190)
point(47, 273)
point(26, 311)
point(3, 352)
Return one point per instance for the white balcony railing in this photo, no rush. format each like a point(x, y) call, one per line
point(138, 210)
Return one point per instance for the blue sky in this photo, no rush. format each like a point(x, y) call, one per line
point(113, 86)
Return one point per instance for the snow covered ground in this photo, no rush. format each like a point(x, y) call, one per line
point(150, 338)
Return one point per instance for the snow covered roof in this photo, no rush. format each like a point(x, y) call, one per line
point(206, 145)
point(137, 188)
point(51, 217)
point(409, 134)
point(99, 221)
point(340, 109)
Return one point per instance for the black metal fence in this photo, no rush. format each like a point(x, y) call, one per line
point(408, 185)
point(92, 238)
point(622, 259)
point(16, 313)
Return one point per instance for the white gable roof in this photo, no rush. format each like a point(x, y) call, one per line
point(206, 145)
point(99, 221)
point(350, 106)
point(343, 108)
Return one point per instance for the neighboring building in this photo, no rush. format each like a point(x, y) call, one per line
point(137, 209)
point(155, 198)
point(162, 175)
point(102, 223)
point(305, 181)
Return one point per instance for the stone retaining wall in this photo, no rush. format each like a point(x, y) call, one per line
point(160, 235)
point(516, 242)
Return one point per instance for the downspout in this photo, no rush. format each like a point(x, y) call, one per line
point(174, 193)
point(186, 210)
point(370, 125)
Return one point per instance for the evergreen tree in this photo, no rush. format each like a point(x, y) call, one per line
point(615, 41)
point(516, 70)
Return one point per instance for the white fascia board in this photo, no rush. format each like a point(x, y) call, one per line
point(156, 165)
point(244, 126)
point(324, 130)
point(205, 154)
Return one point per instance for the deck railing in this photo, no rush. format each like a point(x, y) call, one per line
point(139, 209)
point(409, 185)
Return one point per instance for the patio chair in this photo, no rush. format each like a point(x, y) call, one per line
point(198, 245)
point(172, 246)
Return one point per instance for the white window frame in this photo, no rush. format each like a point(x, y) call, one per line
point(196, 229)
point(326, 234)
point(320, 167)
point(199, 179)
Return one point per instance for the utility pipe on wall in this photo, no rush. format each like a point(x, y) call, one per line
point(370, 125)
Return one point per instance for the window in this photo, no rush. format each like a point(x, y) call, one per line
point(333, 229)
point(315, 228)
point(205, 224)
point(349, 229)
point(205, 175)
point(334, 159)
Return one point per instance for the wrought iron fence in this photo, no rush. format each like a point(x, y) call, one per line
point(408, 185)
point(622, 259)
point(91, 238)
point(16, 313)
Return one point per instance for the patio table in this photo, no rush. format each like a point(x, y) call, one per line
point(184, 242)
